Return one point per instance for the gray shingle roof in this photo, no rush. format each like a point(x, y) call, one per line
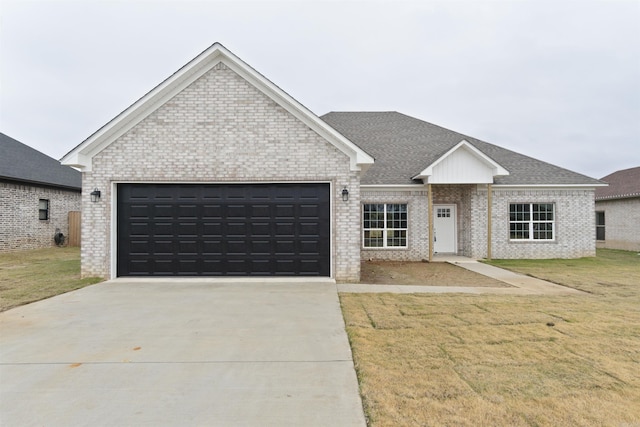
point(404, 146)
point(19, 162)
point(622, 184)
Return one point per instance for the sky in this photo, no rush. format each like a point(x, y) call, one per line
point(555, 80)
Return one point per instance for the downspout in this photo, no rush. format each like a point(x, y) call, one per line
point(430, 204)
point(489, 218)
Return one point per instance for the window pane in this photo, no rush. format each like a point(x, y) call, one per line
point(599, 218)
point(396, 216)
point(373, 216)
point(373, 238)
point(43, 209)
point(543, 231)
point(542, 212)
point(519, 212)
point(397, 238)
point(519, 230)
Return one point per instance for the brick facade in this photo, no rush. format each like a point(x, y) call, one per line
point(220, 129)
point(622, 223)
point(20, 226)
point(574, 222)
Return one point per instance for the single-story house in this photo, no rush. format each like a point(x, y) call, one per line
point(219, 172)
point(618, 211)
point(36, 195)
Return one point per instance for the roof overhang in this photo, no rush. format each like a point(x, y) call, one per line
point(82, 155)
point(462, 164)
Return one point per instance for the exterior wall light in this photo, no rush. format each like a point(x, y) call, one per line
point(95, 195)
point(345, 194)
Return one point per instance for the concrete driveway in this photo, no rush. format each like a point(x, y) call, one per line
point(179, 353)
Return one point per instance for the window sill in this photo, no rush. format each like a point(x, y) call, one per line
point(381, 248)
point(533, 241)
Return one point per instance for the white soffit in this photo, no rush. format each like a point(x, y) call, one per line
point(463, 164)
point(81, 156)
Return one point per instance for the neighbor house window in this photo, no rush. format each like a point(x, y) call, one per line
point(385, 225)
point(531, 221)
point(43, 209)
point(600, 225)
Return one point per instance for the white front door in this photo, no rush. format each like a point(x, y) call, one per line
point(444, 229)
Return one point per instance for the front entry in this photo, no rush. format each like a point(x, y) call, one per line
point(444, 229)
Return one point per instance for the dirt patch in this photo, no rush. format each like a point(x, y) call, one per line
point(423, 274)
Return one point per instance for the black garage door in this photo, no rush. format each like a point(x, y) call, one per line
point(223, 229)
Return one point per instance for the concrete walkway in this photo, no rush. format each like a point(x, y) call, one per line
point(179, 353)
point(520, 284)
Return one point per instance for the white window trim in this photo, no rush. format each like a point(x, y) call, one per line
point(531, 222)
point(385, 229)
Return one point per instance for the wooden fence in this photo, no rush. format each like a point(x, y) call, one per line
point(73, 239)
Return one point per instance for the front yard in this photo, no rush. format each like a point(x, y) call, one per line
point(471, 360)
point(464, 360)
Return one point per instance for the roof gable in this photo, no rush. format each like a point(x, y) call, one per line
point(81, 156)
point(463, 164)
point(19, 162)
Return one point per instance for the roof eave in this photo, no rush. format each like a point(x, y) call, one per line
point(82, 155)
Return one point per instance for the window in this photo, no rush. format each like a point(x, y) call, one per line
point(443, 213)
point(531, 221)
point(43, 209)
point(599, 225)
point(385, 225)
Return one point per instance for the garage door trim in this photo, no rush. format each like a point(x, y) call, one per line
point(114, 221)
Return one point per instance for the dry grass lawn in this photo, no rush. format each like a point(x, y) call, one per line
point(489, 360)
point(30, 276)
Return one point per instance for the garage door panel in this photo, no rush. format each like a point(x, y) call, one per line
point(260, 229)
point(162, 247)
point(309, 229)
point(140, 229)
point(211, 229)
point(235, 229)
point(224, 229)
point(260, 247)
point(162, 229)
point(211, 211)
point(236, 211)
point(188, 247)
point(187, 212)
point(285, 248)
point(139, 212)
point(212, 248)
point(260, 211)
point(309, 247)
point(285, 229)
point(236, 248)
point(162, 211)
point(284, 212)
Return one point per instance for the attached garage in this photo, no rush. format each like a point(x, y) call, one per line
point(271, 229)
point(217, 172)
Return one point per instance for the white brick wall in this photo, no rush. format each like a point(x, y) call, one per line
point(221, 129)
point(20, 226)
point(622, 223)
point(575, 223)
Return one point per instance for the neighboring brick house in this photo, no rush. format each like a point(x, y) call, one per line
point(219, 172)
point(618, 211)
point(36, 195)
